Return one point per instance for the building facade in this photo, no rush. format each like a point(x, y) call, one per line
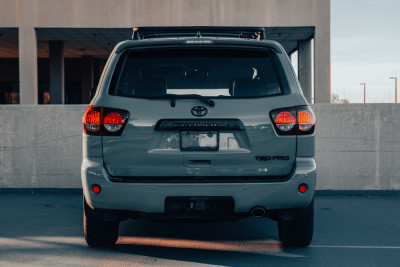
point(53, 51)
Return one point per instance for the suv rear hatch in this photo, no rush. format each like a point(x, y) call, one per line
point(199, 114)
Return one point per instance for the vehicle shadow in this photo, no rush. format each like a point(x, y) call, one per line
point(37, 227)
point(240, 243)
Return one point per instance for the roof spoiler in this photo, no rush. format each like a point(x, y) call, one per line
point(256, 33)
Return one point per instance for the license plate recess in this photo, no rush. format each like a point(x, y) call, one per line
point(199, 140)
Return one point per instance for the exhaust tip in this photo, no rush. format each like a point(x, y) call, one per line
point(258, 212)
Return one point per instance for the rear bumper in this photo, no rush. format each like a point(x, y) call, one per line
point(150, 197)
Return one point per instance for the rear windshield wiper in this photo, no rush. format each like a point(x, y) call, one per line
point(173, 97)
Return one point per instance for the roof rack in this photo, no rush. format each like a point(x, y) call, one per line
point(257, 33)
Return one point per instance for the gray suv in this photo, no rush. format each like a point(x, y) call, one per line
point(198, 123)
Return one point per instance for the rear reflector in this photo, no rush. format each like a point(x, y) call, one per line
point(96, 189)
point(303, 188)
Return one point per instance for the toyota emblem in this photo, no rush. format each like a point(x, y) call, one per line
point(199, 111)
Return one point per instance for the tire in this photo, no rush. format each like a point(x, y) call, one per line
point(98, 233)
point(297, 232)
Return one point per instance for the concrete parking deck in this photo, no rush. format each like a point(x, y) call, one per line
point(46, 230)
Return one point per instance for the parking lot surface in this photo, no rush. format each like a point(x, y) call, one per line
point(46, 230)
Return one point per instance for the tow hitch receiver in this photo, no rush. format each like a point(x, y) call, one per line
point(199, 207)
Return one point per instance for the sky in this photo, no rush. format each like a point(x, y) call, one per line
point(365, 48)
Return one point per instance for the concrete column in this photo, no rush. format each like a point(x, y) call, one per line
point(56, 75)
point(322, 53)
point(28, 66)
point(305, 68)
point(87, 77)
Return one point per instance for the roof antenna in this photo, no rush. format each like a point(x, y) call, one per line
point(198, 35)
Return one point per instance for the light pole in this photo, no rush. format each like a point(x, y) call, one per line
point(365, 91)
point(395, 88)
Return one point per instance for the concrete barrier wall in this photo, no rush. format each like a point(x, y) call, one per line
point(40, 146)
point(357, 146)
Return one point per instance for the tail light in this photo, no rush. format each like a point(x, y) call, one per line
point(306, 120)
point(92, 120)
point(103, 121)
point(293, 120)
point(113, 122)
point(285, 121)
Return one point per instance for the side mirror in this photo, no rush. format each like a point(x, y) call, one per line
point(92, 92)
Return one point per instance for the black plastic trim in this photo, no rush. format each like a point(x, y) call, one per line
point(198, 31)
point(199, 124)
point(198, 179)
point(180, 43)
point(202, 179)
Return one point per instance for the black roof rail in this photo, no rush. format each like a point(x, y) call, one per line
point(257, 33)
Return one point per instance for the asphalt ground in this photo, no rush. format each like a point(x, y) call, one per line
point(46, 230)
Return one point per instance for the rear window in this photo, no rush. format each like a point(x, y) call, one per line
point(206, 72)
